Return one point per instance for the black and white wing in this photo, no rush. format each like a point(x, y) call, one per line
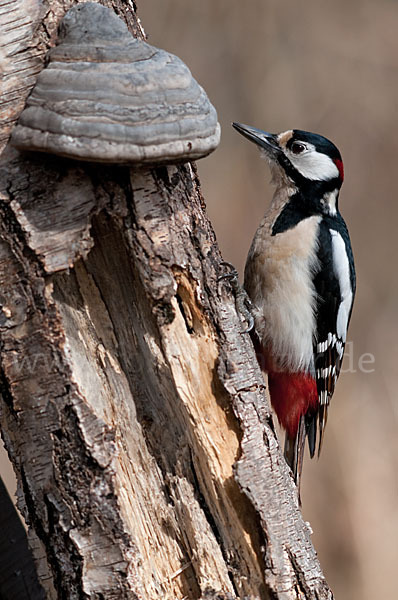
point(335, 287)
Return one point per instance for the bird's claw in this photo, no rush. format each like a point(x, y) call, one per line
point(242, 301)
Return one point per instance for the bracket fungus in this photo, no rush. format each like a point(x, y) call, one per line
point(105, 96)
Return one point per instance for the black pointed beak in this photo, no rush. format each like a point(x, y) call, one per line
point(265, 140)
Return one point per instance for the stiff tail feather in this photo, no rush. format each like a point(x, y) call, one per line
point(294, 447)
point(294, 453)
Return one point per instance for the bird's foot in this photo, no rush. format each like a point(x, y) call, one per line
point(242, 301)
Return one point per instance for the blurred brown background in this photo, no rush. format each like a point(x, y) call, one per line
point(331, 68)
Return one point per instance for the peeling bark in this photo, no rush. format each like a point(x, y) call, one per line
point(132, 405)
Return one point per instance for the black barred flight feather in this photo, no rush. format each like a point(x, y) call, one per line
point(335, 287)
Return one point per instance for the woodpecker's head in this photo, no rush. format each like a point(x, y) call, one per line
point(308, 160)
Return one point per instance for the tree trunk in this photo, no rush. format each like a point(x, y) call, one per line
point(132, 405)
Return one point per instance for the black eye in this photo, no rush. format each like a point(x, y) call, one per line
point(297, 148)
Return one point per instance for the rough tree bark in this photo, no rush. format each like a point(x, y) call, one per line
point(132, 406)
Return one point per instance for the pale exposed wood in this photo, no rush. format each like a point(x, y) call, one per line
point(132, 405)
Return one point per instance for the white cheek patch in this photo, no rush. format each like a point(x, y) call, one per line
point(342, 271)
point(314, 165)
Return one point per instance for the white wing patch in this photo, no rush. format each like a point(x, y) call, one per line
point(342, 272)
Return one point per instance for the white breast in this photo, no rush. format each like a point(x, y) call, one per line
point(278, 278)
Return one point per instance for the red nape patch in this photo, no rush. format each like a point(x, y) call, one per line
point(292, 395)
point(340, 166)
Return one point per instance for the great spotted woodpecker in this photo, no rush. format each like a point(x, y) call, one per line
point(300, 278)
